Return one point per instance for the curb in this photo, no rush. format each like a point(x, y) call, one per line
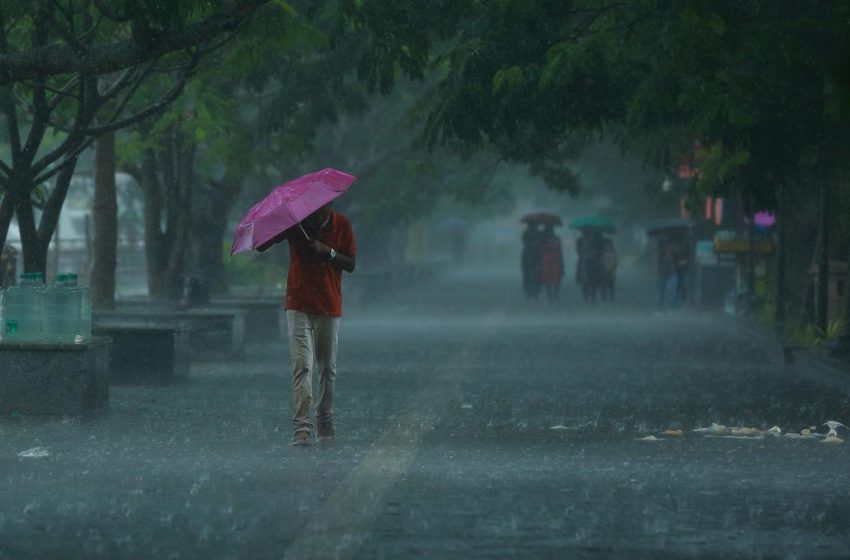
point(812, 367)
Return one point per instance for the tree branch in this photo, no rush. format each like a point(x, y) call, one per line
point(12, 123)
point(40, 108)
point(59, 94)
point(7, 210)
point(50, 215)
point(5, 169)
point(71, 155)
point(115, 124)
point(74, 134)
point(104, 59)
point(8, 104)
point(66, 33)
point(120, 82)
point(101, 7)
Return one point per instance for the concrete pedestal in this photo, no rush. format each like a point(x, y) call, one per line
point(54, 378)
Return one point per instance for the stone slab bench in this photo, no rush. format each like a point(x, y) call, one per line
point(146, 352)
point(265, 317)
point(54, 378)
point(214, 332)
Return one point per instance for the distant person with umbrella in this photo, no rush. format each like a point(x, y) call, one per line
point(321, 247)
point(531, 260)
point(668, 282)
point(673, 236)
point(589, 247)
point(608, 266)
point(589, 265)
point(551, 262)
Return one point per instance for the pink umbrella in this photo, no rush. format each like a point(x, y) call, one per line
point(287, 205)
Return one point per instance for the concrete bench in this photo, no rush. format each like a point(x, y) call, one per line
point(146, 352)
point(265, 317)
point(214, 332)
point(54, 378)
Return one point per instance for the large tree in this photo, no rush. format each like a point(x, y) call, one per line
point(762, 83)
point(248, 115)
point(69, 71)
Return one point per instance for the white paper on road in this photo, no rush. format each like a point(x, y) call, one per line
point(35, 452)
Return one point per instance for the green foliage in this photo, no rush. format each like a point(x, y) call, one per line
point(720, 165)
point(810, 336)
point(252, 271)
point(765, 83)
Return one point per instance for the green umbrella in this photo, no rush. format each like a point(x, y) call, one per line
point(593, 222)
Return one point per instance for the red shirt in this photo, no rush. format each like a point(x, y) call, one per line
point(314, 284)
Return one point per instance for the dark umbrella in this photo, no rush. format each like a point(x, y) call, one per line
point(541, 218)
point(593, 222)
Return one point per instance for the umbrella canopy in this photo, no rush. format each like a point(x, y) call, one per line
point(593, 222)
point(541, 218)
point(287, 205)
point(670, 225)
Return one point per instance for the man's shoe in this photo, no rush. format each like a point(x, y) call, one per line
point(325, 430)
point(302, 439)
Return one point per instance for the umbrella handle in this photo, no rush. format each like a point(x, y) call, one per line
point(302, 231)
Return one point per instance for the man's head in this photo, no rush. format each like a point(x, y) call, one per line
point(319, 219)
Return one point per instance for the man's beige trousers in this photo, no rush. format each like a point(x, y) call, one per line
point(312, 340)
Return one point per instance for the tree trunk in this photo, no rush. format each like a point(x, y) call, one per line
point(166, 180)
point(7, 211)
point(209, 221)
point(34, 249)
point(105, 211)
point(822, 310)
point(154, 250)
point(779, 316)
point(208, 257)
point(751, 260)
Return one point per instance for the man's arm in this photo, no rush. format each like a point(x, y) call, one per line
point(340, 261)
point(273, 241)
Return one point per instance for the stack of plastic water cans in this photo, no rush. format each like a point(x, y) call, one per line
point(33, 312)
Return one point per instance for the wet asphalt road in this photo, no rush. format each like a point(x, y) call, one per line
point(447, 395)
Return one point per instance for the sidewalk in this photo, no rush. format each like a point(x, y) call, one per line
point(813, 364)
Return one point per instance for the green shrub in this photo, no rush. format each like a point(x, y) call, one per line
point(811, 336)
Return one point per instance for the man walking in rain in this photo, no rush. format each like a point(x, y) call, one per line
point(318, 254)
